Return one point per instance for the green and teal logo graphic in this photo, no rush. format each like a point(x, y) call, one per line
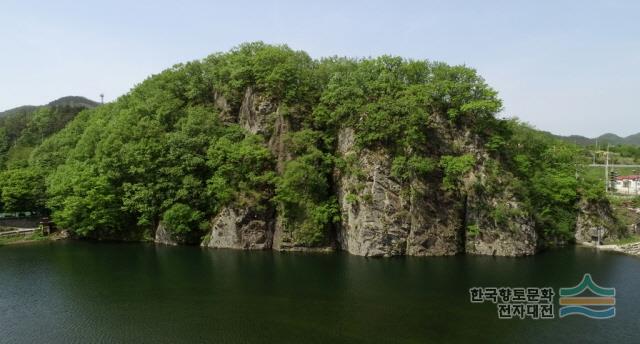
point(588, 299)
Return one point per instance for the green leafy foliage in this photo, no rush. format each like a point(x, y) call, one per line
point(83, 200)
point(25, 128)
point(171, 150)
point(413, 167)
point(242, 170)
point(276, 71)
point(182, 219)
point(455, 167)
point(552, 179)
point(21, 189)
point(473, 230)
point(303, 191)
point(4, 145)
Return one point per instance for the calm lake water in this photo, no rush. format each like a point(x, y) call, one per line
point(80, 292)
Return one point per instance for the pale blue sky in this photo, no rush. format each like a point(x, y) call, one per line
point(563, 66)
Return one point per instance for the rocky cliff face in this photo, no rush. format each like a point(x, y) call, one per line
point(486, 235)
point(241, 229)
point(382, 217)
point(375, 219)
point(246, 228)
point(256, 112)
point(163, 236)
point(268, 148)
point(379, 216)
point(596, 219)
point(495, 222)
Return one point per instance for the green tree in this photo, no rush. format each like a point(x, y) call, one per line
point(84, 201)
point(181, 219)
point(22, 190)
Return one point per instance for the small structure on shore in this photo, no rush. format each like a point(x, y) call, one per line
point(47, 226)
point(627, 185)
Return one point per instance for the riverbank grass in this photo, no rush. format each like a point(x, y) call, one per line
point(22, 238)
point(628, 240)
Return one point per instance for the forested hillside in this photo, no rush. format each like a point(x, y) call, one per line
point(21, 130)
point(602, 140)
point(265, 147)
point(70, 101)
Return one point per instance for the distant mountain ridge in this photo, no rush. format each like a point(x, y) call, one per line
point(602, 139)
point(23, 128)
point(72, 101)
point(75, 101)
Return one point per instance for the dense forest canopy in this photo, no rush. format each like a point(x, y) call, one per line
point(168, 151)
point(21, 131)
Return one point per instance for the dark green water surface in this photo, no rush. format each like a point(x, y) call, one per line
point(80, 292)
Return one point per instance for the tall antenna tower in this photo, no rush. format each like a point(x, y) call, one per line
point(102, 98)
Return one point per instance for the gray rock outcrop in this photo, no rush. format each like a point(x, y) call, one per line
point(380, 215)
point(383, 217)
point(163, 236)
point(486, 236)
point(379, 218)
point(594, 217)
point(240, 229)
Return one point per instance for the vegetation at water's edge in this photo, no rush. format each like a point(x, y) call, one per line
point(22, 238)
point(166, 152)
point(627, 215)
point(628, 240)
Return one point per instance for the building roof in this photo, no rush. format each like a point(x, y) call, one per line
point(633, 177)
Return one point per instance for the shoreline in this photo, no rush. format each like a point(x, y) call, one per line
point(632, 249)
point(31, 237)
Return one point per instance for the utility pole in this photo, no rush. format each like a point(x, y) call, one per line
point(101, 98)
point(606, 172)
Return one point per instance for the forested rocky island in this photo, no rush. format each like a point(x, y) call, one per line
point(263, 147)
